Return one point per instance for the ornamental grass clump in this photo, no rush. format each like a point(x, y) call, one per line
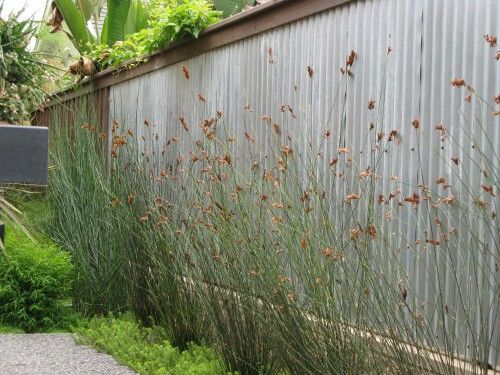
point(91, 222)
point(294, 250)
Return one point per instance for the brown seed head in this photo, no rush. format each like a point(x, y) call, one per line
point(185, 72)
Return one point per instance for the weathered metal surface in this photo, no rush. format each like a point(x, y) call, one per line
point(431, 43)
point(23, 154)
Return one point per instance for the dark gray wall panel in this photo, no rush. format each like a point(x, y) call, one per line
point(23, 154)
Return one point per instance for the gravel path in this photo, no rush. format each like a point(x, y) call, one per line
point(53, 354)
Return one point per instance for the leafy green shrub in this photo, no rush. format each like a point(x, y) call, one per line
point(147, 350)
point(170, 21)
point(35, 284)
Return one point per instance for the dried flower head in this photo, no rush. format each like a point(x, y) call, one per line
point(488, 189)
point(355, 233)
point(309, 71)
point(185, 72)
point(332, 253)
point(351, 58)
point(266, 118)
point(480, 203)
point(414, 199)
point(433, 242)
point(449, 199)
point(394, 135)
point(286, 150)
point(441, 180)
point(303, 243)
point(183, 123)
point(249, 137)
point(352, 196)
point(458, 82)
point(277, 220)
point(365, 173)
point(270, 54)
point(372, 231)
point(491, 40)
point(118, 141)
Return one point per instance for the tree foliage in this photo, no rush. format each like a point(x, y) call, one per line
point(22, 72)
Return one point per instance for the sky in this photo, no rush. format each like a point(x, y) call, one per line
point(34, 8)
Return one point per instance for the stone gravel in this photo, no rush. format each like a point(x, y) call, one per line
point(53, 354)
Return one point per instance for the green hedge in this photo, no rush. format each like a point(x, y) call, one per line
point(35, 284)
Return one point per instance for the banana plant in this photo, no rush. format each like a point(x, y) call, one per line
point(123, 17)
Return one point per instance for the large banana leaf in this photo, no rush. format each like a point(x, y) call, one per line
point(137, 17)
point(124, 17)
point(116, 19)
point(76, 23)
point(89, 7)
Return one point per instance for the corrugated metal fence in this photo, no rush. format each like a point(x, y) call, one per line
point(408, 52)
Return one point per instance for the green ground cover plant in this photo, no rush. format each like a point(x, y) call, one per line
point(10, 329)
point(35, 284)
point(147, 350)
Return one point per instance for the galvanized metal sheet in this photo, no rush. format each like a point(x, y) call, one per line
point(408, 52)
